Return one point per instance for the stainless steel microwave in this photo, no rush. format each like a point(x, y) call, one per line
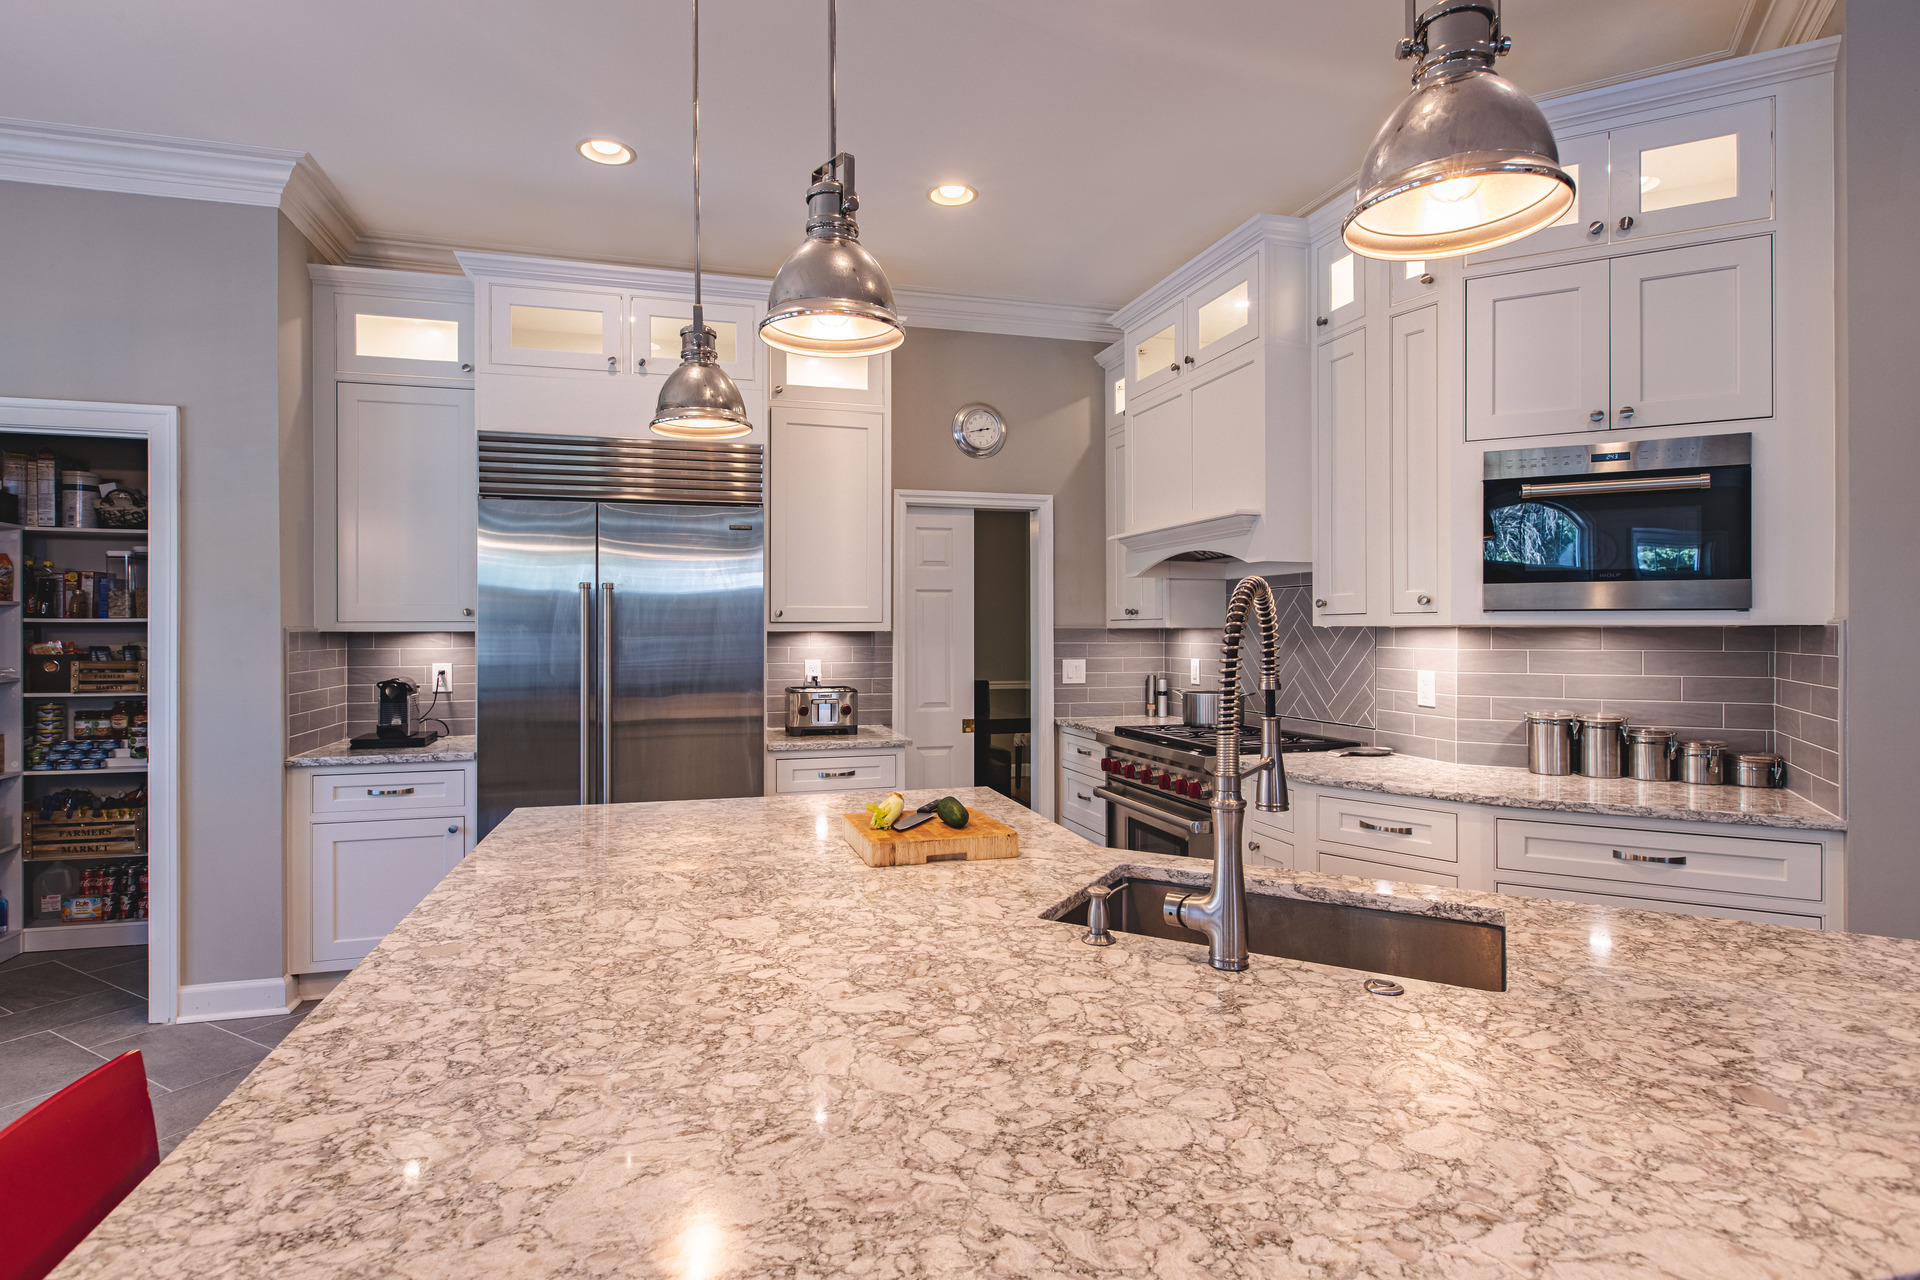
point(1620, 524)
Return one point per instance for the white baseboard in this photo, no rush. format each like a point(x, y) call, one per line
point(218, 1001)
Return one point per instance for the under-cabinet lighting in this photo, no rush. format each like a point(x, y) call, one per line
point(606, 151)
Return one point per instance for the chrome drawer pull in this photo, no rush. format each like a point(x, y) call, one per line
point(1680, 861)
point(1083, 751)
point(1084, 796)
point(844, 773)
point(1392, 831)
point(389, 791)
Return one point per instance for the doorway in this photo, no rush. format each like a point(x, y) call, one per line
point(973, 641)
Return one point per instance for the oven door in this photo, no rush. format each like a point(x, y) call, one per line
point(1626, 525)
point(1148, 828)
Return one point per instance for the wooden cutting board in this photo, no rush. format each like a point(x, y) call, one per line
point(935, 841)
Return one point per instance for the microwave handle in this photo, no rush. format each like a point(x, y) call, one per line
point(1624, 484)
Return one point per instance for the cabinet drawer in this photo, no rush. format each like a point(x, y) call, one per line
point(1081, 803)
point(1341, 865)
point(1084, 832)
point(1657, 904)
point(1081, 756)
point(793, 775)
point(342, 795)
point(1388, 828)
point(1719, 864)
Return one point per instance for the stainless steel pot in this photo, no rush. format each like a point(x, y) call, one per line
point(1200, 707)
point(1550, 742)
point(1602, 743)
point(1703, 762)
point(1650, 754)
point(1758, 769)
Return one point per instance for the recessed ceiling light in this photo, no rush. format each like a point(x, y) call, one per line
point(606, 151)
point(951, 193)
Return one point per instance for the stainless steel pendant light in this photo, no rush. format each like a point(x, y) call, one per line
point(831, 298)
point(699, 400)
point(1468, 161)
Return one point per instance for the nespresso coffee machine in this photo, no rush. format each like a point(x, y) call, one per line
point(393, 727)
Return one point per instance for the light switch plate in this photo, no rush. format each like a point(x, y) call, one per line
point(1073, 671)
point(442, 678)
point(813, 667)
point(1423, 689)
point(1195, 676)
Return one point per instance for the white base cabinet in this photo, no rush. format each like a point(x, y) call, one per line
point(364, 845)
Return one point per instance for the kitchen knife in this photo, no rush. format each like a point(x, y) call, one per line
point(912, 820)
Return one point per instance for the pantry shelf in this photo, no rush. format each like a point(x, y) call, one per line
point(111, 766)
point(83, 622)
point(93, 933)
point(51, 531)
point(124, 693)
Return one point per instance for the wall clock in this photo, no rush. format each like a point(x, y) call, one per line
point(979, 430)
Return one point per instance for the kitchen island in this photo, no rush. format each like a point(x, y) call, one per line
point(703, 1039)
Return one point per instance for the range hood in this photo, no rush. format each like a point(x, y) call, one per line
point(1227, 545)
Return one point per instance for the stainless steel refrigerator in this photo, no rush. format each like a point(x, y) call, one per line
point(621, 632)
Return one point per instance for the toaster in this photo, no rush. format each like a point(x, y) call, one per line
point(815, 708)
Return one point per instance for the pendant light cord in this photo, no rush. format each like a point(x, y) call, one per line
point(833, 79)
point(698, 319)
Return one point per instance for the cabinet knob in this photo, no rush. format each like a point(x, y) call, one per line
point(1626, 411)
point(1253, 846)
point(1424, 599)
point(466, 368)
point(453, 831)
point(466, 613)
point(613, 364)
point(1320, 320)
point(1132, 612)
point(1598, 415)
point(1626, 222)
point(1189, 359)
point(1427, 278)
point(1319, 604)
point(779, 613)
point(778, 389)
point(1174, 367)
point(640, 365)
point(1595, 227)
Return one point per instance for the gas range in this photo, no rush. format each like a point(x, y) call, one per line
point(1170, 766)
point(1184, 737)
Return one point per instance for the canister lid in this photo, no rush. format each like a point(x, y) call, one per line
point(1599, 717)
point(1759, 757)
point(1548, 716)
point(821, 688)
point(1641, 733)
point(1702, 747)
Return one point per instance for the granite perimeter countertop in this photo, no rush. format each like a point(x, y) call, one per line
point(1506, 788)
point(448, 750)
point(869, 737)
point(704, 1039)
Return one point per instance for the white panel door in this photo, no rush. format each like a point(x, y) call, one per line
point(1160, 472)
point(1693, 334)
point(1685, 173)
point(827, 512)
point(1131, 602)
point(368, 875)
point(1413, 449)
point(936, 608)
point(1340, 473)
point(407, 518)
point(1537, 347)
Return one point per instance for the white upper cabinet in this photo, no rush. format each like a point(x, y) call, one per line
point(1413, 460)
point(1339, 287)
point(1410, 282)
point(1693, 334)
point(1585, 222)
point(1537, 352)
point(1685, 173)
point(840, 380)
point(655, 325)
point(402, 337)
point(1160, 474)
point(1131, 602)
point(1155, 348)
point(556, 328)
point(1341, 521)
point(828, 516)
point(1221, 315)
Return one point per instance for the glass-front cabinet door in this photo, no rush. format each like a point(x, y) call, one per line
point(1708, 169)
point(1224, 313)
point(556, 328)
point(1585, 221)
point(798, 379)
point(657, 323)
point(1154, 349)
point(402, 337)
point(1339, 288)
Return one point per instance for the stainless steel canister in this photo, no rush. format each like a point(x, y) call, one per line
point(1650, 754)
point(1704, 761)
point(1550, 742)
point(1758, 769)
point(1602, 742)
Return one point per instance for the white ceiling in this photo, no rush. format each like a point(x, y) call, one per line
point(1110, 139)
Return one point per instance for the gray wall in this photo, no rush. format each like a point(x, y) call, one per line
point(159, 301)
point(1880, 378)
point(1049, 392)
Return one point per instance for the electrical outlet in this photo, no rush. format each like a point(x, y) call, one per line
point(1073, 671)
point(1195, 676)
point(813, 668)
point(1423, 689)
point(443, 677)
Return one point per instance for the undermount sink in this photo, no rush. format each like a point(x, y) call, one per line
point(1375, 940)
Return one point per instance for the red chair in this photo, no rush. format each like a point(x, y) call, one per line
point(65, 1164)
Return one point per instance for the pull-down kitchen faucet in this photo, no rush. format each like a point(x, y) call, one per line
point(1222, 914)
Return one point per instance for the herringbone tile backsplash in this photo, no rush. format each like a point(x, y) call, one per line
point(1326, 673)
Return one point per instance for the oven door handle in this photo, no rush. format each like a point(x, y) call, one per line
point(1200, 828)
point(1627, 484)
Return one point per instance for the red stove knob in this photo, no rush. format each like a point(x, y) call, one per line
point(1180, 786)
point(1146, 776)
point(1106, 764)
point(1132, 768)
point(1166, 782)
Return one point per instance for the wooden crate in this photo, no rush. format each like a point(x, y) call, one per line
point(85, 837)
point(108, 677)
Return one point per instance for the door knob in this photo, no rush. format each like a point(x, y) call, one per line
point(1626, 222)
point(1424, 599)
point(1319, 604)
point(1595, 227)
point(1598, 415)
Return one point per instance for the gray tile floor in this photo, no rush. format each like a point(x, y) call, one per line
point(63, 1013)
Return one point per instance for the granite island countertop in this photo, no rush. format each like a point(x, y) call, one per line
point(448, 750)
point(704, 1039)
point(1508, 788)
point(867, 737)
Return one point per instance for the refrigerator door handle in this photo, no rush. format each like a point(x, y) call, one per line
point(606, 693)
point(586, 685)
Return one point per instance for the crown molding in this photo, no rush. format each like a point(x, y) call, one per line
point(393, 253)
point(144, 164)
point(1261, 228)
point(437, 286)
point(527, 269)
point(1023, 317)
